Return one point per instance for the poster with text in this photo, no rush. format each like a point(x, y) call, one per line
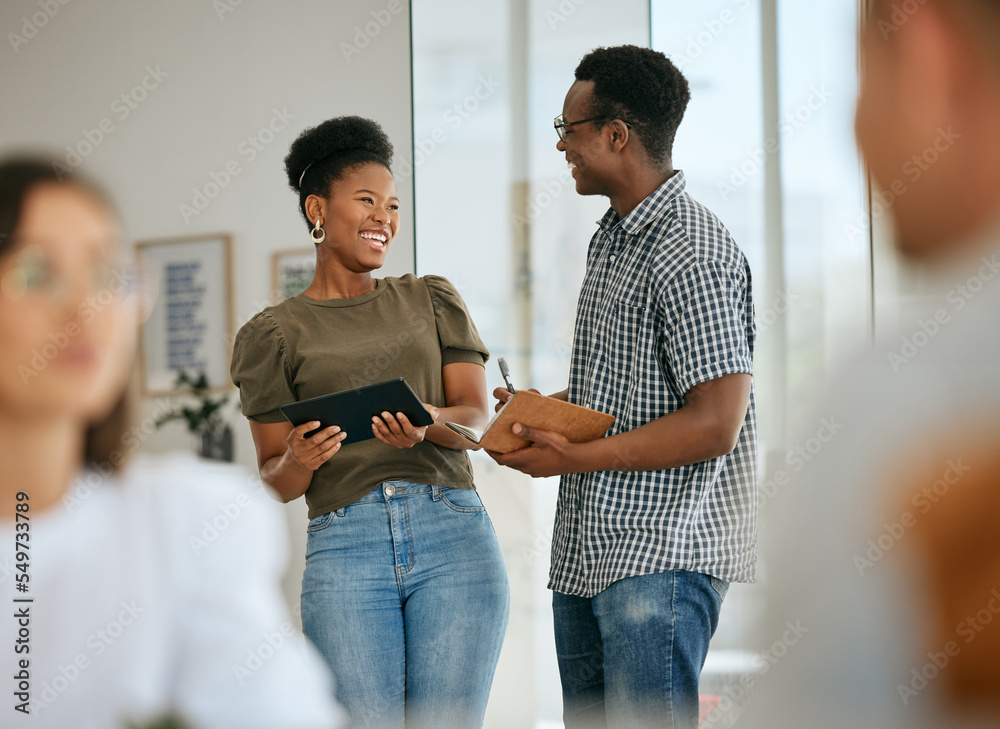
point(189, 325)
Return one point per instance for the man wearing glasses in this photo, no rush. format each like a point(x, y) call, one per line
point(657, 518)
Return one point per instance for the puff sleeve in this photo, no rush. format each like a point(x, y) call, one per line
point(260, 369)
point(460, 341)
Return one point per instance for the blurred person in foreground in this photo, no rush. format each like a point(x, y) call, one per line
point(120, 607)
point(887, 559)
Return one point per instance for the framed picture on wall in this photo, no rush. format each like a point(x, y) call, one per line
point(291, 272)
point(190, 324)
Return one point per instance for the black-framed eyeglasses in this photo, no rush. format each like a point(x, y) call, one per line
point(561, 125)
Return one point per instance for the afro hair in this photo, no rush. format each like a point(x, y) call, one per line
point(321, 155)
point(640, 86)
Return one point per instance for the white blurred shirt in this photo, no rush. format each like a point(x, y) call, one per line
point(157, 592)
point(862, 627)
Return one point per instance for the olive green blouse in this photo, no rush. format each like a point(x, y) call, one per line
point(301, 348)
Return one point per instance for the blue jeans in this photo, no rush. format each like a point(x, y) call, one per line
point(405, 595)
point(630, 656)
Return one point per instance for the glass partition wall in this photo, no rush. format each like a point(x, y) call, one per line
point(497, 214)
point(767, 144)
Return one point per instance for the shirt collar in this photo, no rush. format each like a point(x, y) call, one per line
point(648, 210)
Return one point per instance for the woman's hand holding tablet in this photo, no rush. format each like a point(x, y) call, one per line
point(397, 431)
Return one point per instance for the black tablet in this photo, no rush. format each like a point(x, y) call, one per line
point(353, 409)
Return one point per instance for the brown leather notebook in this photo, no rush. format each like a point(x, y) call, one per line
point(576, 422)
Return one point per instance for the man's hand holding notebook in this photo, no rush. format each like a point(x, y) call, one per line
point(527, 407)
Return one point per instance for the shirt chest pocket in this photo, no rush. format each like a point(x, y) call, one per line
point(624, 333)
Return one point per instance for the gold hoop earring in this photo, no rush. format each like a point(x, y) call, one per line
point(317, 234)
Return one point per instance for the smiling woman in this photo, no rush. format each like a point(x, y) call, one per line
point(405, 590)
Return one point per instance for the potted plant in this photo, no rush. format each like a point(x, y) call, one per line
point(204, 420)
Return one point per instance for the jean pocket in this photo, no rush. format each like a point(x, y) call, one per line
point(320, 523)
point(465, 501)
point(720, 586)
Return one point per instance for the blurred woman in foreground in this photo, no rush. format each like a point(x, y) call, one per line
point(130, 592)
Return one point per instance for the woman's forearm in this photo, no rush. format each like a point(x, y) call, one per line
point(286, 477)
point(467, 415)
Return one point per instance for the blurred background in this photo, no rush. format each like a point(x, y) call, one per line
point(185, 111)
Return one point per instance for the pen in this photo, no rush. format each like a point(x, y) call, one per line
point(506, 374)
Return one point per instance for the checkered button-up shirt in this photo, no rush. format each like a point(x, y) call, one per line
point(665, 305)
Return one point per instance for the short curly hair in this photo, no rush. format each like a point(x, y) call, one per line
point(640, 86)
point(322, 154)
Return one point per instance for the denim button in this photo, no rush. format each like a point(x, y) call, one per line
point(389, 490)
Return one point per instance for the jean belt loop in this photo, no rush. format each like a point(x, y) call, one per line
point(435, 492)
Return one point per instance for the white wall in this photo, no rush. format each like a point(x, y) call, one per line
point(221, 69)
